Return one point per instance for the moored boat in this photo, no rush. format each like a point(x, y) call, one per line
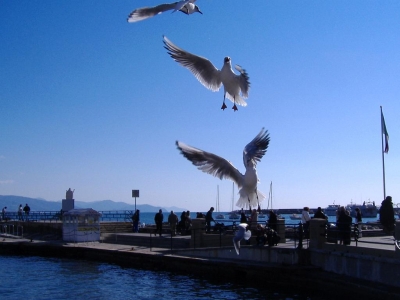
point(331, 209)
point(368, 209)
point(233, 215)
point(295, 217)
point(220, 216)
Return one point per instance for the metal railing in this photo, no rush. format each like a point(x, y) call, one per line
point(294, 234)
point(54, 216)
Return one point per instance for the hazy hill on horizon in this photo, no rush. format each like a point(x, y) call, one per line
point(12, 203)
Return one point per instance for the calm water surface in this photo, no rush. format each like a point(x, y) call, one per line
point(53, 278)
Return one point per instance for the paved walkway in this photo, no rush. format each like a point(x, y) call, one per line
point(378, 242)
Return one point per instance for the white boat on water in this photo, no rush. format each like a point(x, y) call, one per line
point(220, 217)
point(295, 217)
point(233, 215)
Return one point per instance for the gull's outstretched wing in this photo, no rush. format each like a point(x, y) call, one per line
point(256, 149)
point(244, 81)
point(201, 67)
point(148, 12)
point(211, 163)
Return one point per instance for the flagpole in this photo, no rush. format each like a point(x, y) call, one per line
point(383, 156)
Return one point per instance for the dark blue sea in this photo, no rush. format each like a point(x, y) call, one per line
point(25, 277)
point(148, 218)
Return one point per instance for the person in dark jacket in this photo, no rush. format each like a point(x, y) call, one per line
point(344, 226)
point(159, 218)
point(358, 221)
point(386, 214)
point(320, 214)
point(243, 218)
point(135, 220)
point(273, 220)
point(209, 218)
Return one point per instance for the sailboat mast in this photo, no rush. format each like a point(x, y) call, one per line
point(270, 190)
point(217, 205)
point(233, 194)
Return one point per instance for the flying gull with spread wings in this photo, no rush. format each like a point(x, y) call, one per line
point(236, 87)
point(219, 167)
point(187, 7)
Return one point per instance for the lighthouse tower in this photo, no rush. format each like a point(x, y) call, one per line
point(68, 203)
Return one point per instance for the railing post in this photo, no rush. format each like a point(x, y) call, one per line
point(356, 233)
point(171, 240)
point(397, 238)
point(300, 232)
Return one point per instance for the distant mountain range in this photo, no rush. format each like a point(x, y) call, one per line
point(37, 204)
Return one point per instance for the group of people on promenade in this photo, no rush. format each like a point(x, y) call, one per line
point(268, 233)
point(344, 221)
point(21, 212)
point(182, 226)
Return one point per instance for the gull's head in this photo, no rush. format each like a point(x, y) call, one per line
point(227, 60)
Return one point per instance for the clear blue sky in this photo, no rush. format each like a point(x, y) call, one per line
point(92, 103)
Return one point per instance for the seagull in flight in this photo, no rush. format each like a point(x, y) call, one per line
point(242, 233)
point(211, 77)
point(188, 7)
point(222, 168)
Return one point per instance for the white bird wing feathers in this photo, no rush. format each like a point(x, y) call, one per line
point(243, 81)
point(256, 149)
point(148, 12)
point(210, 163)
point(201, 67)
point(220, 167)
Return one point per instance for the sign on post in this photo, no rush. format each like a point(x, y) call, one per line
point(135, 194)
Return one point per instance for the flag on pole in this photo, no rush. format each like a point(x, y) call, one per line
point(385, 133)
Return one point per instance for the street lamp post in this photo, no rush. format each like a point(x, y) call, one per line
point(135, 194)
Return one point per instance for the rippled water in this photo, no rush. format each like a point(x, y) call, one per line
point(53, 278)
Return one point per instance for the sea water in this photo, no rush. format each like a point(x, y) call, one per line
point(148, 218)
point(33, 277)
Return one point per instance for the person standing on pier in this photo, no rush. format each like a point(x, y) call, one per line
point(27, 209)
point(358, 220)
point(20, 210)
point(159, 218)
point(386, 214)
point(320, 214)
point(272, 220)
point(136, 219)
point(173, 220)
point(305, 219)
point(3, 212)
point(344, 226)
point(209, 218)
